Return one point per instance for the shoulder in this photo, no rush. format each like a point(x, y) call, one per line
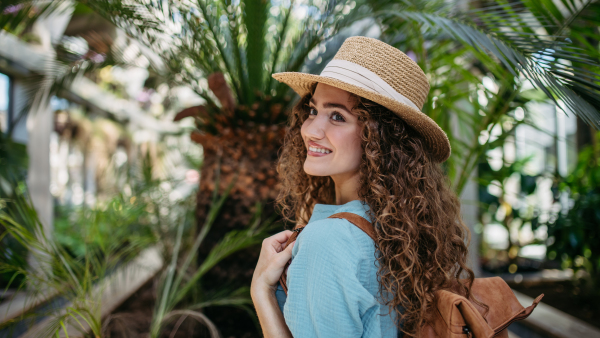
point(327, 227)
point(335, 236)
point(356, 207)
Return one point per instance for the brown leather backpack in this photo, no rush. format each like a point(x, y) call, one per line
point(457, 316)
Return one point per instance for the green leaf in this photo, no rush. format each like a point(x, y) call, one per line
point(255, 18)
point(533, 65)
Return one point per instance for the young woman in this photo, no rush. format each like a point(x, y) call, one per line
point(359, 143)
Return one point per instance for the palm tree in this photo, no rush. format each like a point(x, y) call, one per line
point(236, 47)
point(242, 123)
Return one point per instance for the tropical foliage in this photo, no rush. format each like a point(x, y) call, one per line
point(247, 42)
point(55, 271)
point(181, 283)
point(574, 231)
point(486, 61)
point(93, 243)
point(486, 66)
point(516, 46)
point(497, 208)
point(13, 170)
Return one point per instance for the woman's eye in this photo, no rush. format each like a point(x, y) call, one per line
point(312, 112)
point(337, 117)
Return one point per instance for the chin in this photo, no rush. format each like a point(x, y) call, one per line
point(314, 170)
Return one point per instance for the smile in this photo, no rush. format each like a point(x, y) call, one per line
point(319, 150)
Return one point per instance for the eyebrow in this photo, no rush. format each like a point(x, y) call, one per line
point(332, 105)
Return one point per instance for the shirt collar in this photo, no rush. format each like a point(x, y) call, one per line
point(322, 211)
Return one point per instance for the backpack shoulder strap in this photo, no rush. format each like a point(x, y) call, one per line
point(358, 221)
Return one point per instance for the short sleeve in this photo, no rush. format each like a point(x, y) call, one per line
point(280, 296)
point(325, 295)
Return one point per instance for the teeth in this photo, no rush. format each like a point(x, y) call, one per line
point(319, 150)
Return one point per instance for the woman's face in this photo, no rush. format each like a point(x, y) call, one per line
point(331, 134)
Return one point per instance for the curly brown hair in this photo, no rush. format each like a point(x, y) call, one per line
point(421, 237)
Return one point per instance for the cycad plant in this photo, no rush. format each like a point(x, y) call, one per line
point(184, 294)
point(226, 51)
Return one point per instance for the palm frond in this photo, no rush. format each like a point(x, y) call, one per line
point(536, 58)
point(235, 38)
point(23, 13)
point(225, 297)
point(322, 23)
point(255, 19)
point(134, 18)
point(279, 39)
point(232, 242)
point(198, 316)
point(164, 305)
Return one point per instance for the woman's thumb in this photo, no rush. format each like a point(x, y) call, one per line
point(288, 249)
point(286, 254)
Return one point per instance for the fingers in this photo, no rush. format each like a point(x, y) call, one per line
point(277, 241)
point(289, 248)
point(272, 259)
point(282, 237)
point(285, 255)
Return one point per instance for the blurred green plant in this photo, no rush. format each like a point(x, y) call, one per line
point(574, 234)
point(486, 61)
point(81, 229)
point(181, 293)
point(52, 270)
point(90, 243)
point(507, 45)
point(76, 261)
point(13, 170)
point(530, 39)
point(13, 164)
point(497, 209)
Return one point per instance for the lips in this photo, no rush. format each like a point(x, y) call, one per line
point(315, 149)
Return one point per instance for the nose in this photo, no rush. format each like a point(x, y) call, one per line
point(315, 128)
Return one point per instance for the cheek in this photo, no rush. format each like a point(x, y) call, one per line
point(348, 146)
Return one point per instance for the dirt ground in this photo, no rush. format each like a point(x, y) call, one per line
point(133, 318)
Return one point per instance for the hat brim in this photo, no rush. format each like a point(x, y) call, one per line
point(434, 136)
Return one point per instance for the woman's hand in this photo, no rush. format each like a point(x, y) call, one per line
point(271, 262)
point(269, 268)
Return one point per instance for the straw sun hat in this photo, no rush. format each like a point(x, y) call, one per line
point(381, 73)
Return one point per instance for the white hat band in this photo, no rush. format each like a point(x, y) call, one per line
point(360, 76)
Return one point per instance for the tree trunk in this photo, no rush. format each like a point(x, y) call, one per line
point(249, 158)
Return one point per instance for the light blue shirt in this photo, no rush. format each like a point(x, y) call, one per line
point(332, 280)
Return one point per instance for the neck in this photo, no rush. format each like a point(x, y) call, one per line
point(346, 188)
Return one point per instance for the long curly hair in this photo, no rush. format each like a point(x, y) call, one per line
point(421, 237)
